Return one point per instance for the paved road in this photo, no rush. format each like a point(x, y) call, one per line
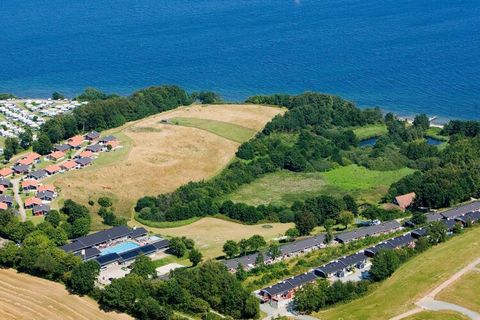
point(18, 199)
point(428, 302)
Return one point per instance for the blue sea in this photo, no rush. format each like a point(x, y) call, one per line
point(404, 56)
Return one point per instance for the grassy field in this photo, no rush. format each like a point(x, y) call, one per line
point(464, 292)
point(26, 297)
point(370, 131)
point(157, 158)
point(285, 187)
point(434, 132)
point(223, 129)
point(411, 281)
point(437, 315)
point(211, 233)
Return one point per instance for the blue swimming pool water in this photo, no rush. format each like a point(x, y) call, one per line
point(119, 248)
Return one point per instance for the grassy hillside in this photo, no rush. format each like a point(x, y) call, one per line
point(437, 315)
point(411, 281)
point(223, 129)
point(370, 131)
point(285, 187)
point(464, 292)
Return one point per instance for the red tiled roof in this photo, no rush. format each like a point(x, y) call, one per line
point(32, 201)
point(46, 187)
point(53, 168)
point(28, 183)
point(5, 172)
point(69, 164)
point(3, 206)
point(2, 188)
point(57, 155)
point(404, 201)
point(113, 143)
point(85, 154)
point(29, 158)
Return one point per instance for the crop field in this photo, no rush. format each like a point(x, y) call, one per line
point(412, 281)
point(211, 233)
point(464, 292)
point(284, 187)
point(370, 131)
point(157, 158)
point(26, 297)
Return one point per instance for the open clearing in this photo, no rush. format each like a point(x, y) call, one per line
point(464, 292)
point(437, 315)
point(26, 297)
point(284, 187)
point(412, 281)
point(211, 233)
point(370, 131)
point(227, 130)
point(158, 158)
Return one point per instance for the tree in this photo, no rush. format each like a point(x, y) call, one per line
point(421, 121)
point(26, 138)
point(328, 237)
point(274, 251)
point(80, 227)
point(11, 148)
point(259, 260)
point(105, 202)
point(384, 264)
point(305, 222)
point(419, 218)
point(346, 218)
point(84, 275)
point(243, 246)
point(57, 96)
point(53, 217)
point(177, 247)
point(144, 267)
point(122, 293)
point(150, 309)
point(252, 308)
point(256, 242)
point(328, 224)
point(241, 274)
point(437, 232)
point(195, 256)
point(43, 145)
point(350, 204)
point(292, 233)
point(457, 228)
point(231, 249)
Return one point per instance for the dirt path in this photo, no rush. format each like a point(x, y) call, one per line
point(428, 302)
point(18, 199)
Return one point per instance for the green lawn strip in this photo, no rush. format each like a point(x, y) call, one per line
point(370, 131)
point(412, 281)
point(226, 130)
point(434, 132)
point(464, 292)
point(166, 224)
point(285, 187)
point(437, 315)
point(172, 259)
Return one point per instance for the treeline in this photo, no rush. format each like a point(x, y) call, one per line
point(314, 121)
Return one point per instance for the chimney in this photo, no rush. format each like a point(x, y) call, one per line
point(83, 252)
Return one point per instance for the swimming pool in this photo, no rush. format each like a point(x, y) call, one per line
point(155, 238)
point(119, 248)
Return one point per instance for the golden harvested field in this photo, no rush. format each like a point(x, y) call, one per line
point(210, 233)
point(158, 157)
point(26, 297)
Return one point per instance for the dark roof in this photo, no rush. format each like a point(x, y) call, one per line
point(6, 198)
point(401, 241)
point(20, 168)
point(434, 217)
point(138, 232)
point(418, 233)
point(329, 268)
point(353, 259)
point(62, 147)
point(4, 182)
point(449, 223)
point(304, 244)
point(134, 253)
point(373, 250)
point(38, 174)
point(41, 207)
point(367, 231)
point(453, 213)
point(92, 135)
point(278, 289)
point(471, 216)
point(89, 253)
point(96, 238)
point(107, 259)
point(108, 138)
point(161, 244)
point(244, 261)
point(302, 279)
point(94, 148)
point(83, 161)
point(45, 194)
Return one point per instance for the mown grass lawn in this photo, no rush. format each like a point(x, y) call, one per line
point(370, 131)
point(411, 281)
point(226, 130)
point(464, 292)
point(285, 187)
point(437, 315)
